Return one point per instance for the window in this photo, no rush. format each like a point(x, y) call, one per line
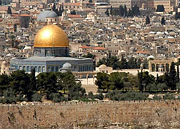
point(57, 69)
point(43, 69)
point(52, 68)
point(27, 69)
point(39, 69)
point(48, 69)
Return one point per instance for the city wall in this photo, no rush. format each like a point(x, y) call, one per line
point(164, 114)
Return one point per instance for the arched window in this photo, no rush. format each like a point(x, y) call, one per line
point(27, 69)
point(43, 69)
point(52, 68)
point(57, 69)
point(48, 69)
point(39, 69)
point(35, 68)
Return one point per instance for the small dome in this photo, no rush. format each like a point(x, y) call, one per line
point(46, 14)
point(103, 66)
point(150, 57)
point(66, 66)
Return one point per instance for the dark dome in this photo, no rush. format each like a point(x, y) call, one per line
point(46, 14)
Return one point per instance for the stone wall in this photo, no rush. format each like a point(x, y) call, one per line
point(146, 114)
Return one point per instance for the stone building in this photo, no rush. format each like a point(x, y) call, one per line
point(160, 65)
point(129, 3)
point(169, 5)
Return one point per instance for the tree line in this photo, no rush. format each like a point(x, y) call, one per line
point(115, 63)
point(123, 11)
point(59, 10)
point(20, 86)
point(143, 82)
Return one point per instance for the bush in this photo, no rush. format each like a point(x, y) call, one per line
point(157, 97)
point(21, 98)
point(90, 95)
point(119, 96)
point(9, 96)
point(36, 97)
point(168, 96)
point(56, 97)
point(99, 96)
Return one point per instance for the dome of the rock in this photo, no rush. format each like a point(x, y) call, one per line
point(51, 36)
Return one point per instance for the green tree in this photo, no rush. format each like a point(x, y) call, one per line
point(123, 63)
point(9, 96)
point(177, 15)
point(121, 11)
point(65, 81)
point(107, 12)
point(125, 11)
point(32, 85)
point(116, 81)
point(54, 7)
point(172, 77)
point(163, 21)
point(160, 8)
point(89, 55)
point(47, 83)
point(132, 63)
point(112, 61)
point(135, 10)
point(177, 73)
point(76, 92)
point(102, 81)
point(73, 12)
point(111, 11)
point(147, 79)
point(9, 10)
point(147, 20)
point(162, 87)
point(19, 81)
point(60, 11)
point(130, 13)
point(151, 87)
point(4, 83)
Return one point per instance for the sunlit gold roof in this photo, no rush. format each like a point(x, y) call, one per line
point(51, 36)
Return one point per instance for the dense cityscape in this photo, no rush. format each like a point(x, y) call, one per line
point(90, 52)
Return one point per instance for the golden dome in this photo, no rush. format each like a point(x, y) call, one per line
point(51, 36)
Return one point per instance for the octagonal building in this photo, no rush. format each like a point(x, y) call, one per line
point(51, 53)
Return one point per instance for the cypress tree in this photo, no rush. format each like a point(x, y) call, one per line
point(140, 81)
point(54, 7)
point(121, 11)
point(163, 21)
point(147, 20)
point(60, 11)
point(177, 76)
point(172, 77)
point(32, 85)
point(111, 11)
point(9, 10)
point(107, 12)
point(125, 11)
